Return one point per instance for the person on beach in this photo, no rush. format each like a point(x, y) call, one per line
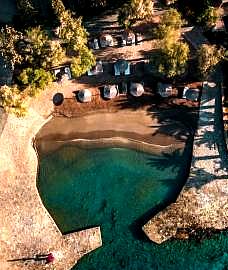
point(50, 258)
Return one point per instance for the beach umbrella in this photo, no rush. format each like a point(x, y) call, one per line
point(110, 91)
point(84, 95)
point(106, 40)
point(58, 99)
point(136, 89)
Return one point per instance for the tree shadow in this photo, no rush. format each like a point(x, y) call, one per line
point(168, 160)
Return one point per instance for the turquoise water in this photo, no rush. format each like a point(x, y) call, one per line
point(119, 189)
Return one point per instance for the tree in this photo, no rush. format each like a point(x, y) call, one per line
point(9, 39)
point(170, 21)
point(208, 17)
point(134, 10)
point(83, 62)
point(43, 52)
point(208, 57)
point(71, 30)
point(35, 80)
point(75, 36)
point(13, 101)
point(171, 61)
point(27, 13)
point(201, 12)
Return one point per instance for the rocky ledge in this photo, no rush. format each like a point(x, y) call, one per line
point(203, 202)
point(27, 229)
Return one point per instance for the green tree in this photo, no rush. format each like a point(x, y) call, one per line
point(208, 57)
point(43, 51)
point(71, 30)
point(170, 21)
point(35, 80)
point(9, 39)
point(208, 17)
point(74, 35)
point(171, 61)
point(13, 101)
point(83, 62)
point(26, 7)
point(135, 10)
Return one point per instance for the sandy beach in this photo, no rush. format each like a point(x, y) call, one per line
point(138, 127)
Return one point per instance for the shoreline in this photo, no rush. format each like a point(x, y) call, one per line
point(44, 146)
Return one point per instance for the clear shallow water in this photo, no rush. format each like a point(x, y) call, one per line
point(119, 189)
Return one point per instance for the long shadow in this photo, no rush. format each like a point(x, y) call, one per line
point(168, 160)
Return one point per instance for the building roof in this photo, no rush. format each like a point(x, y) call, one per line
point(136, 89)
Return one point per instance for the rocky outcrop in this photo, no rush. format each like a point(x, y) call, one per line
point(203, 202)
point(27, 229)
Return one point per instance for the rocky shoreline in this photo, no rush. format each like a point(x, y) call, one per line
point(203, 202)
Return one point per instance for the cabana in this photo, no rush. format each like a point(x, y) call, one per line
point(166, 90)
point(122, 66)
point(97, 69)
point(106, 40)
point(84, 95)
point(62, 73)
point(191, 93)
point(136, 89)
point(128, 38)
point(110, 91)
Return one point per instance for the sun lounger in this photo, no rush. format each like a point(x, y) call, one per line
point(128, 70)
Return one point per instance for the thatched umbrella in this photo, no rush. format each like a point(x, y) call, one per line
point(110, 91)
point(84, 95)
point(136, 89)
point(58, 99)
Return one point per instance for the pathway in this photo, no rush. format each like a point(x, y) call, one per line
point(203, 202)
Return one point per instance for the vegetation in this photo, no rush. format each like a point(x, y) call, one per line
point(82, 62)
point(9, 39)
point(134, 10)
point(170, 21)
point(35, 80)
point(42, 52)
point(13, 101)
point(208, 57)
point(201, 12)
point(171, 60)
point(208, 17)
point(74, 35)
point(26, 10)
point(33, 52)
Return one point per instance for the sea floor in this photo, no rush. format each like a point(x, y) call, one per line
point(120, 189)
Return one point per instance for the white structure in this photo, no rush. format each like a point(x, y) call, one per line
point(84, 95)
point(106, 40)
point(191, 93)
point(122, 67)
point(95, 44)
point(165, 90)
point(128, 38)
point(96, 69)
point(110, 91)
point(63, 73)
point(136, 89)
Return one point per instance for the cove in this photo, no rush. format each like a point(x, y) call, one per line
point(119, 189)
